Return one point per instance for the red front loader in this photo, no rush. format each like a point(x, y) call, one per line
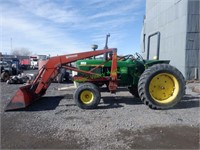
point(29, 93)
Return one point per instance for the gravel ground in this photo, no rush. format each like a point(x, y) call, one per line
point(120, 122)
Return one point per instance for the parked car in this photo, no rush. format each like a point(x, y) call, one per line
point(6, 70)
point(9, 67)
point(34, 62)
point(25, 63)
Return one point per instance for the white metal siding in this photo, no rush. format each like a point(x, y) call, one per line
point(193, 32)
point(169, 17)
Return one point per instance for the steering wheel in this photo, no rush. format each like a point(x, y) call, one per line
point(139, 57)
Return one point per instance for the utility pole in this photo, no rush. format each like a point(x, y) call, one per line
point(11, 44)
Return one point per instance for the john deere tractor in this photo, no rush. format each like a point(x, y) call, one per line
point(158, 84)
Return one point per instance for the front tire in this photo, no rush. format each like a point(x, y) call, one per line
point(5, 76)
point(87, 96)
point(161, 86)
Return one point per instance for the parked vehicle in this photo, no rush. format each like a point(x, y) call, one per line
point(9, 67)
point(6, 70)
point(25, 63)
point(34, 62)
point(64, 76)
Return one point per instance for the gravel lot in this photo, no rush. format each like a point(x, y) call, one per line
point(120, 122)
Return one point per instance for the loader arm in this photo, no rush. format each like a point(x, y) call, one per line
point(26, 94)
point(51, 68)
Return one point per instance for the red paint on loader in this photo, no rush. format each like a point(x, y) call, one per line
point(22, 98)
point(29, 93)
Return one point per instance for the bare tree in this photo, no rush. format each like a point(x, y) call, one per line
point(21, 52)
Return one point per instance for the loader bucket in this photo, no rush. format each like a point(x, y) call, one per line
point(22, 98)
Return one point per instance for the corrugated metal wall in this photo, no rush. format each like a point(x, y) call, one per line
point(169, 17)
point(192, 44)
point(178, 23)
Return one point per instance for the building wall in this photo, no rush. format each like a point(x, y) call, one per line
point(192, 44)
point(169, 17)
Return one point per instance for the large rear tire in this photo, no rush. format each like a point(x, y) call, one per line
point(87, 96)
point(161, 86)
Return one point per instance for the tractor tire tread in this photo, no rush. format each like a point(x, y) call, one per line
point(146, 76)
point(87, 86)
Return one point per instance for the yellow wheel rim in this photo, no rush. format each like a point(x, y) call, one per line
point(164, 88)
point(87, 96)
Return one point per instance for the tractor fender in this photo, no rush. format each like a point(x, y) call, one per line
point(153, 62)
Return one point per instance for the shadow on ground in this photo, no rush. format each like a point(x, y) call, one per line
point(117, 102)
point(188, 101)
point(109, 102)
point(45, 103)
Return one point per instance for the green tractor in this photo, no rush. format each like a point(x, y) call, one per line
point(158, 84)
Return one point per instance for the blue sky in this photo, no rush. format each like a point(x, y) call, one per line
point(68, 26)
